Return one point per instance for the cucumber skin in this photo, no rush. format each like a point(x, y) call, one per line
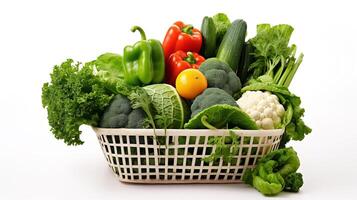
point(209, 35)
point(232, 44)
point(245, 60)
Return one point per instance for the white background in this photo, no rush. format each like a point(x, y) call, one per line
point(35, 35)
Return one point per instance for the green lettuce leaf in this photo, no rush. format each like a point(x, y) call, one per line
point(222, 23)
point(275, 172)
point(109, 68)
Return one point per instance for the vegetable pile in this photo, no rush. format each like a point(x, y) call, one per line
point(207, 78)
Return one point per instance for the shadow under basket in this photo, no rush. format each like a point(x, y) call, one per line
point(177, 155)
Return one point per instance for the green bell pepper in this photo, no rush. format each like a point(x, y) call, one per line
point(144, 62)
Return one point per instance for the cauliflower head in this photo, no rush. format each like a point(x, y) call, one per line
point(263, 107)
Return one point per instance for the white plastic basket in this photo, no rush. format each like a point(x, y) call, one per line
point(135, 157)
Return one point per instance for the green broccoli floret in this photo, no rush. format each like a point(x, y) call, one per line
point(293, 182)
point(120, 115)
point(220, 75)
point(210, 97)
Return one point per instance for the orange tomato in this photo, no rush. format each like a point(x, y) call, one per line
point(190, 83)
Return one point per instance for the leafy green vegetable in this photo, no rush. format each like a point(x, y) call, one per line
point(287, 159)
point(267, 181)
point(210, 97)
point(109, 68)
point(273, 55)
point(279, 37)
point(295, 128)
point(225, 150)
point(221, 116)
point(293, 182)
point(275, 172)
point(75, 96)
point(222, 23)
point(110, 65)
point(171, 110)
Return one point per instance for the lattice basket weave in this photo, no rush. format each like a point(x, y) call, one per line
point(135, 157)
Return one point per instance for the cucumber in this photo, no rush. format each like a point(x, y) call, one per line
point(244, 62)
point(208, 30)
point(232, 44)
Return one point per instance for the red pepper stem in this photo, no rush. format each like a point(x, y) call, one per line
point(190, 58)
point(187, 29)
point(138, 28)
